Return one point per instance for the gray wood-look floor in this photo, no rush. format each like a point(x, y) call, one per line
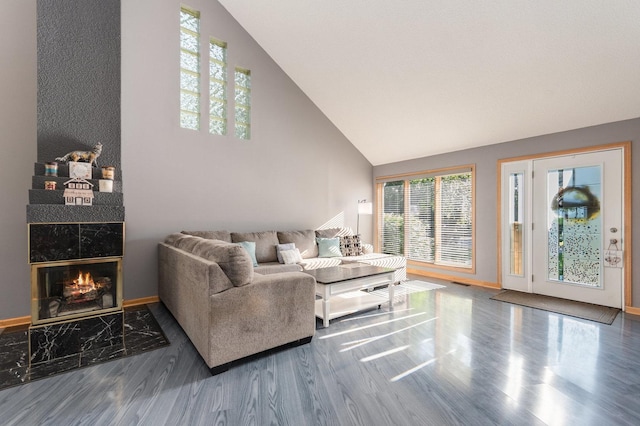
point(444, 357)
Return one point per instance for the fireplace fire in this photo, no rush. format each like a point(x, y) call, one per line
point(65, 290)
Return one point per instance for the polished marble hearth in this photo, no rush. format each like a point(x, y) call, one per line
point(76, 344)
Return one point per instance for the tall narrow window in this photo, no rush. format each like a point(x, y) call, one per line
point(217, 87)
point(428, 217)
point(392, 220)
point(243, 103)
point(516, 212)
point(189, 69)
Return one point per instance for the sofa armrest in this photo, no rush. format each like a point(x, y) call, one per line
point(272, 311)
point(185, 282)
point(367, 248)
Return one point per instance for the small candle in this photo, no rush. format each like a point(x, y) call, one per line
point(51, 168)
point(108, 172)
point(106, 185)
point(50, 185)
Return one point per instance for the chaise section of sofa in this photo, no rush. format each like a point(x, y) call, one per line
point(228, 311)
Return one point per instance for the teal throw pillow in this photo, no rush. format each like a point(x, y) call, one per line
point(250, 247)
point(329, 247)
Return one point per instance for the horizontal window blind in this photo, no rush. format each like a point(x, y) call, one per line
point(454, 238)
point(391, 218)
point(421, 219)
point(428, 216)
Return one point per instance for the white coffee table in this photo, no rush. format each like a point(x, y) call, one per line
point(339, 289)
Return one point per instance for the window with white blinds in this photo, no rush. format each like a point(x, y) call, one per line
point(428, 217)
point(392, 218)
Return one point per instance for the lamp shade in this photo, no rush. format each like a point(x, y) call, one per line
point(365, 208)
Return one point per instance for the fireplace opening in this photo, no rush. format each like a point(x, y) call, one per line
point(66, 290)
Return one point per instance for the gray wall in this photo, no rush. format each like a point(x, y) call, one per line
point(18, 137)
point(297, 171)
point(486, 159)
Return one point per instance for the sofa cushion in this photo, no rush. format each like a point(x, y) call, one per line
point(282, 247)
point(276, 268)
point(183, 242)
point(250, 247)
point(233, 259)
point(211, 235)
point(333, 232)
point(329, 247)
point(305, 241)
point(265, 244)
point(350, 245)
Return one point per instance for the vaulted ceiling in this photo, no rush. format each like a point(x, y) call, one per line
point(412, 78)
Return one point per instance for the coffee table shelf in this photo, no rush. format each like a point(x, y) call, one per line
point(339, 289)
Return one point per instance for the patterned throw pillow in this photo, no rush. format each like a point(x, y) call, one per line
point(282, 247)
point(351, 245)
point(291, 256)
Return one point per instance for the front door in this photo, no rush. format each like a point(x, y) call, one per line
point(577, 215)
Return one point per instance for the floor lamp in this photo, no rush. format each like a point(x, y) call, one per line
point(363, 208)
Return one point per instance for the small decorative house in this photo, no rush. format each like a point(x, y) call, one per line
point(78, 192)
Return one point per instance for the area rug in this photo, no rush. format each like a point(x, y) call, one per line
point(142, 333)
point(406, 287)
point(587, 311)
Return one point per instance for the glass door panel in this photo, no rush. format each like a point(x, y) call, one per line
point(516, 213)
point(574, 225)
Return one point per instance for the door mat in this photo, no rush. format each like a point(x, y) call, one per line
point(142, 333)
point(406, 287)
point(588, 311)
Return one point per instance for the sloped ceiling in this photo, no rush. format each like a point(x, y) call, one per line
point(413, 78)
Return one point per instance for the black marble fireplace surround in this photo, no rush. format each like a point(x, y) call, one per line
point(76, 344)
point(50, 242)
point(58, 252)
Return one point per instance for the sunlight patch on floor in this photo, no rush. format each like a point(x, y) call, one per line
point(364, 327)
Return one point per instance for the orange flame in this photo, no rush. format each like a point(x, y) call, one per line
point(84, 280)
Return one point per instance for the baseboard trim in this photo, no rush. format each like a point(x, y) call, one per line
point(632, 310)
point(13, 322)
point(455, 278)
point(140, 301)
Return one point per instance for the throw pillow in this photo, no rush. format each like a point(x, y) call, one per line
point(329, 247)
point(291, 256)
point(250, 247)
point(351, 245)
point(282, 247)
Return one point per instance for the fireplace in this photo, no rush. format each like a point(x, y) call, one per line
point(69, 290)
point(76, 270)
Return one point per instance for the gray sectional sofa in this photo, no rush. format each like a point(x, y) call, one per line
point(235, 297)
